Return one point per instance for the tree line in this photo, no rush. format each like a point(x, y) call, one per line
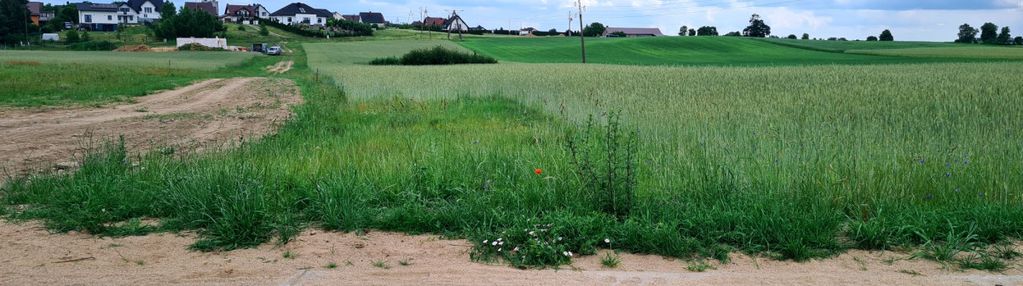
point(989, 34)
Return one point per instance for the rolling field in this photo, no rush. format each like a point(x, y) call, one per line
point(689, 51)
point(47, 78)
point(842, 46)
point(791, 161)
point(176, 60)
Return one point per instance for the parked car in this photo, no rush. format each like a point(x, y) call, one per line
point(274, 51)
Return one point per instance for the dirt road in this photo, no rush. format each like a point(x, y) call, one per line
point(31, 256)
point(209, 113)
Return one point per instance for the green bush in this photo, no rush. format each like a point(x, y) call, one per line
point(435, 56)
point(93, 46)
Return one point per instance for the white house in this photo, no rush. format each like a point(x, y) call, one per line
point(245, 14)
point(300, 13)
point(98, 17)
point(107, 17)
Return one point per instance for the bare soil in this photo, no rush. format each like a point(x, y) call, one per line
point(209, 114)
point(29, 255)
point(280, 67)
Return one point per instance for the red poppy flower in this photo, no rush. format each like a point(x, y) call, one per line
point(538, 171)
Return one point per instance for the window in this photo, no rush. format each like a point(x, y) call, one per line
point(264, 14)
point(319, 20)
point(88, 18)
point(110, 18)
point(124, 10)
point(149, 9)
point(289, 19)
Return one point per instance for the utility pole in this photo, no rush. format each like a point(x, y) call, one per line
point(582, 38)
point(422, 25)
point(568, 32)
point(454, 14)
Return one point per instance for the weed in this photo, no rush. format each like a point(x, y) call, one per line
point(289, 255)
point(610, 260)
point(604, 158)
point(331, 265)
point(381, 264)
point(699, 266)
point(910, 272)
point(405, 262)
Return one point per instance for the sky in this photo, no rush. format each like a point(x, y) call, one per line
point(917, 20)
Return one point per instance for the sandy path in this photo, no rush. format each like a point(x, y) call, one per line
point(188, 118)
point(280, 67)
point(31, 256)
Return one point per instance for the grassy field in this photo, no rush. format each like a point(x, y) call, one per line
point(713, 51)
point(791, 162)
point(973, 52)
point(842, 46)
point(174, 60)
point(38, 78)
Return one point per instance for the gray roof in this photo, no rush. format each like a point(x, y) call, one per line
point(634, 31)
point(372, 18)
point(301, 8)
point(137, 4)
point(93, 7)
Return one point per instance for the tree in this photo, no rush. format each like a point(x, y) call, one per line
point(733, 34)
point(186, 23)
point(66, 13)
point(792, 37)
point(14, 20)
point(806, 36)
point(989, 33)
point(757, 28)
point(692, 32)
point(871, 39)
point(707, 31)
point(1018, 40)
point(886, 36)
point(1004, 38)
point(967, 34)
point(683, 31)
point(165, 28)
point(593, 30)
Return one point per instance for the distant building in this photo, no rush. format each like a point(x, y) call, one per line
point(527, 31)
point(102, 17)
point(434, 22)
point(373, 18)
point(245, 14)
point(300, 13)
point(36, 13)
point(632, 32)
point(210, 7)
point(455, 24)
point(353, 18)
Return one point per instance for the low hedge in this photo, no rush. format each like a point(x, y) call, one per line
point(435, 56)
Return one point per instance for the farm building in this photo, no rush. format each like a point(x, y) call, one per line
point(249, 14)
point(300, 13)
point(373, 18)
point(210, 7)
point(632, 32)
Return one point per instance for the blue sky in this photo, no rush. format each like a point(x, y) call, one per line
point(933, 20)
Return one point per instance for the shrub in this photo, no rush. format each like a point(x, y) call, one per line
point(241, 28)
point(197, 47)
point(72, 37)
point(93, 46)
point(262, 29)
point(435, 56)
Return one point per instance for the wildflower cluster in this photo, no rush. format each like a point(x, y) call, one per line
point(542, 244)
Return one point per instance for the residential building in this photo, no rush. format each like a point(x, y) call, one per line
point(373, 18)
point(434, 22)
point(300, 13)
point(36, 13)
point(632, 32)
point(246, 14)
point(353, 18)
point(98, 17)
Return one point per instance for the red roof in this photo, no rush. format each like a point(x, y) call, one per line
point(432, 21)
point(202, 6)
point(233, 10)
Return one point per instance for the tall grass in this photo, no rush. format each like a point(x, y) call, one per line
point(794, 163)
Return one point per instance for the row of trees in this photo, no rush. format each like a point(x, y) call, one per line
point(989, 34)
point(186, 23)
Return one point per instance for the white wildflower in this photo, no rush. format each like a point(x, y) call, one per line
point(532, 233)
point(516, 249)
point(607, 240)
point(559, 238)
point(499, 249)
point(494, 243)
point(485, 241)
